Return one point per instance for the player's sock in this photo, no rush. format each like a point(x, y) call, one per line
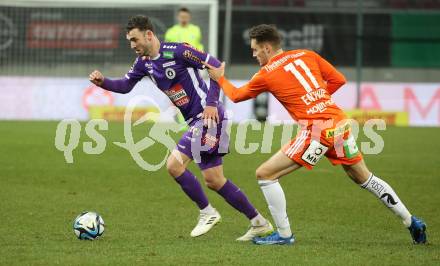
point(258, 220)
point(193, 189)
point(387, 195)
point(208, 209)
point(274, 194)
point(237, 199)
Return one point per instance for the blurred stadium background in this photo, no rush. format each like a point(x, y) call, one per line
point(389, 51)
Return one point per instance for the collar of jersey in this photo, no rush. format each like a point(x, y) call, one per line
point(276, 57)
point(160, 52)
point(157, 56)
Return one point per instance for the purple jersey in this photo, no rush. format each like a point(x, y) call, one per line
point(175, 71)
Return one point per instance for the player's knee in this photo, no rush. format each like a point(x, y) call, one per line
point(213, 185)
point(174, 168)
point(262, 174)
point(214, 182)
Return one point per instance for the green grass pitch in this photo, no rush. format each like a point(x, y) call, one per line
point(148, 219)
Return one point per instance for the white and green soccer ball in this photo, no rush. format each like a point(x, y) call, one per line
point(88, 226)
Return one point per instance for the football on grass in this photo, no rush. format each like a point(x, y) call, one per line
point(88, 226)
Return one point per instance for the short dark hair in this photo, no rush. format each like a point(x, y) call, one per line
point(184, 9)
point(266, 33)
point(140, 22)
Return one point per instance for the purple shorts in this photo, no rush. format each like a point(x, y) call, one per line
point(206, 146)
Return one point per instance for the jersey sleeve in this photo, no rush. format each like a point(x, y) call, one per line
point(213, 95)
point(330, 74)
point(127, 83)
point(250, 90)
point(136, 73)
point(195, 58)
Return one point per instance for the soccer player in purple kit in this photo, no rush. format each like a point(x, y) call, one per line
point(174, 68)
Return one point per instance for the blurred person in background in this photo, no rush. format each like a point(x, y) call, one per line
point(184, 31)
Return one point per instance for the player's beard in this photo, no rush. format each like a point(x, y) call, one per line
point(142, 52)
point(263, 61)
point(147, 49)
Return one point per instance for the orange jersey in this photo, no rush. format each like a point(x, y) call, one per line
point(300, 79)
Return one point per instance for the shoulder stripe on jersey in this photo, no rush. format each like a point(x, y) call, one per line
point(196, 85)
point(207, 58)
point(126, 76)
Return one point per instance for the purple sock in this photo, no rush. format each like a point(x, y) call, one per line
point(237, 199)
point(193, 189)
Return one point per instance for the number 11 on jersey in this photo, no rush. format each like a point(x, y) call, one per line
point(291, 68)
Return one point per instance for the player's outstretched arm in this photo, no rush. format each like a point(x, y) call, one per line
point(119, 85)
point(246, 92)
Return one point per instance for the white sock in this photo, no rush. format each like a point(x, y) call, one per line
point(258, 220)
point(276, 201)
point(208, 210)
point(387, 195)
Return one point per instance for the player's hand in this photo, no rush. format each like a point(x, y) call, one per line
point(96, 78)
point(210, 116)
point(215, 73)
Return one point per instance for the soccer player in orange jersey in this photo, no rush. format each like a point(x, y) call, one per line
point(303, 82)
